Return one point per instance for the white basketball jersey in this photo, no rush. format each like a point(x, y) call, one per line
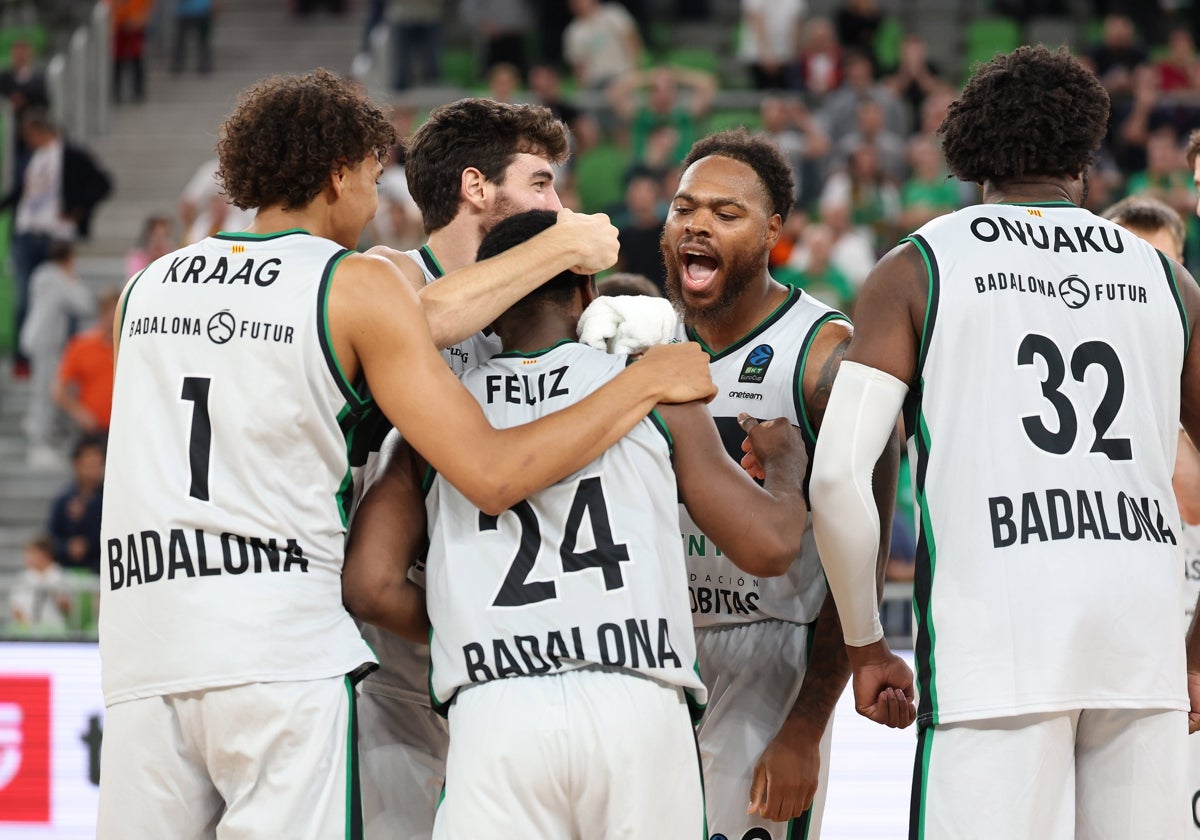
point(403, 665)
point(761, 375)
point(228, 475)
point(1043, 422)
point(585, 572)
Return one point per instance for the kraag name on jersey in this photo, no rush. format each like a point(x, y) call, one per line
point(140, 558)
point(197, 270)
point(1059, 514)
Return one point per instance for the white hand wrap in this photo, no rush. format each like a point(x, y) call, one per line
point(861, 416)
point(627, 324)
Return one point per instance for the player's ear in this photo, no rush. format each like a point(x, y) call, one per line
point(774, 230)
point(587, 290)
point(472, 188)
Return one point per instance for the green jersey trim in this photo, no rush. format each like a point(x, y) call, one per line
point(431, 262)
point(357, 396)
point(807, 427)
point(442, 708)
point(661, 425)
point(775, 314)
point(354, 815)
point(926, 567)
point(125, 297)
point(1178, 295)
point(245, 236)
point(1038, 204)
point(921, 781)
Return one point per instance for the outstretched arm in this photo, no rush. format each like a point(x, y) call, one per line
point(379, 329)
point(465, 301)
point(387, 534)
point(758, 528)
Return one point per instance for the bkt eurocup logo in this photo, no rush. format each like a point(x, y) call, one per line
point(221, 327)
point(1074, 292)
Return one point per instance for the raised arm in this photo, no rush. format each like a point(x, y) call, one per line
point(379, 329)
point(465, 301)
point(758, 528)
point(388, 533)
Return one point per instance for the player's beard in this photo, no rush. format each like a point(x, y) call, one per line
point(502, 208)
point(737, 272)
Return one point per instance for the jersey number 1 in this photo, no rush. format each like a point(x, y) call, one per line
point(195, 390)
point(517, 590)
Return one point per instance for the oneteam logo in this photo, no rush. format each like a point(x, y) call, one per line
point(1074, 292)
point(221, 327)
point(24, 749)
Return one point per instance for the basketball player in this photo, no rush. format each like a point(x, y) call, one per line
point(1038, 352)
point(561, 644)
point(243, 372)
point(1157, 223)
point(771, 651)
point(470, 164)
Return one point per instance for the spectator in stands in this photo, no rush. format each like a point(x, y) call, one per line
point(768, 40)
point(640, 227)
point(624, 283)
point(854, 247)
point(1178, 69)
point(801, 138)
point(545, 87)
point(193, 19)
point(1166, 176)
point(156, 239)
point(818, 68)
point(85, 377)
point(928, 192)
point(812, 269)
point(54, 199)
point(503, 26)
point(504, 83)
point(1117, 55)
point(870, 130)
point(839, 111)
point(23, 84)
point(129, 19)
point(600, 43)
point(74, 521)
point(858, 23)
point(204, 209)
point(416, 42)
point(56, 298)
point(678, 97)
point(38, 603)
point(872, 196)
point(915, 76)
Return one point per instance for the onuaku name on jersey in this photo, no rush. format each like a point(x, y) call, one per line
point(1059, 514)
point(1077, 239)
point(150, 556)
point(632, 643)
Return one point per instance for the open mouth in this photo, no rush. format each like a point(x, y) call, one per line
point(699, 271)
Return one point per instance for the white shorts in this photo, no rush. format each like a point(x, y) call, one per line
point(249, 761)
point(588, 754)
point(753, 673)
point(1099, 774)
point(402, 754)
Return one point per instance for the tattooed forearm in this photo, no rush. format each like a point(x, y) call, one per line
point(818, 401)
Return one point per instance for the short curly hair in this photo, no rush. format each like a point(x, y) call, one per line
point(759, 154)
point(290, 133)
point(1031, 112)
point(479, 133)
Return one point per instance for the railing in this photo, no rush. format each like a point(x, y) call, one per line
point(78, 78)
point(79, 592)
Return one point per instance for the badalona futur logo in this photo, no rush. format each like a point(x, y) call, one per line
point(221, 326)
point(1074, 292)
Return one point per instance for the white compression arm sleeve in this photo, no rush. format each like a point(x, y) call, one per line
point(861, 416)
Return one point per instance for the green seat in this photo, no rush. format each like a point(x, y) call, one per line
point(600, 177)
point(458, 68)
point(988, 36)
point(887, 43)
point(724, 120)
point(692, 58)
point(37, 36)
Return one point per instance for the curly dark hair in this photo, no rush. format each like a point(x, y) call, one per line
point(290, 133)
point(759, 154)
point(1031, 112)
point(479, 133)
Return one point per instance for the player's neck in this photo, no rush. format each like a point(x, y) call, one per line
point(1034, 191)
point(455, 245)
point(312, 218)
point(539, 332)
point(756, 302)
